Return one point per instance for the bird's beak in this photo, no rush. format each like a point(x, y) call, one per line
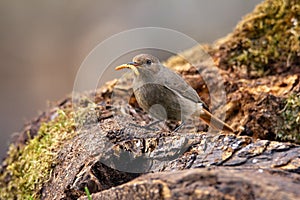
point(130, 65)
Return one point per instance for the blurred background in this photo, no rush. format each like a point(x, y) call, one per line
point(43, 43)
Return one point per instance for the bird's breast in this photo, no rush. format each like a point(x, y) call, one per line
point(162, 102)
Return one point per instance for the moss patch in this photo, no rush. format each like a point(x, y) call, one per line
point(267, 41)
point(29, 166)
point(290, 129)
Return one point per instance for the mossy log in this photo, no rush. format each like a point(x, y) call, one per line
point(63, 153)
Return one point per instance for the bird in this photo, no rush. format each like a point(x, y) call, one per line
point(164, 94)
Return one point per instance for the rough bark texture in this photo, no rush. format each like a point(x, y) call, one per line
point(215, 183)
point(115, 157)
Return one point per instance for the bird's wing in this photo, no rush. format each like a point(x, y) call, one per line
point(175, 82)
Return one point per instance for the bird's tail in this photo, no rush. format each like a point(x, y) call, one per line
point(214, 122)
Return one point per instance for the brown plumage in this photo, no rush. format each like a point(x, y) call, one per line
point(165, 95)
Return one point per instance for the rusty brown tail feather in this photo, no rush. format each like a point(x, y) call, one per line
point(215, 122)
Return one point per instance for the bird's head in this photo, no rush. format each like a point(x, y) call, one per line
point(142, 63)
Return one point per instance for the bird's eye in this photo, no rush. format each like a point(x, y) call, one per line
point(148, 62)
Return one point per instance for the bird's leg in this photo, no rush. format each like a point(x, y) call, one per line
point(154, 123)
point(179, 127)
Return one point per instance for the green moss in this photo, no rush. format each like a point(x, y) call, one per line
point(29, 166)
point(290, 128)
point(267, 41)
